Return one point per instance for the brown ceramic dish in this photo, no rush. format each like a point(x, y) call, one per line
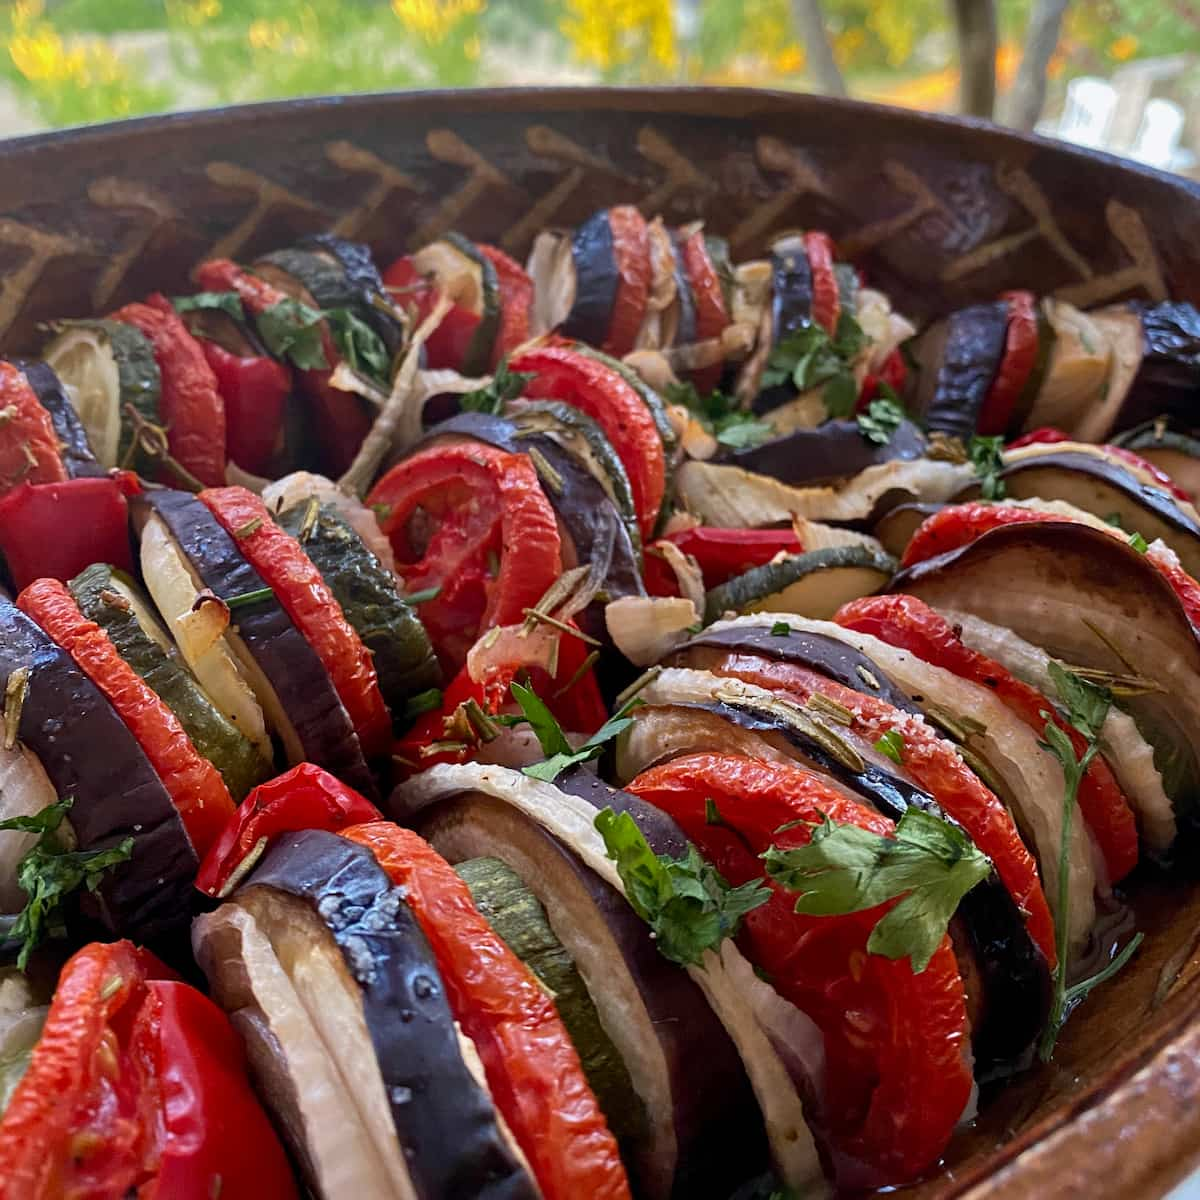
point(938, 212)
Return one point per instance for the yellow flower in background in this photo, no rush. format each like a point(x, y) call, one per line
point(434, 20)
point(1124, 47)
point(266, 35)
point(620, 33)
point(789, 61)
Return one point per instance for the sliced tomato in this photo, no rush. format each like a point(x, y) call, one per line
point(533, 1070)
point(891, 1036)
point(1155, 472)
point(1043, 435)
point(447, 346)
point(1016, 364)
point(724, 553)
point(193, 783)
point(906, 622)
point(826, 302)
point(299, 587)
point(191, 407)
point(473, 522)
point(516, 300)
point(712, 314)
point(28, 444)
point(631, 255)
point(255, 390)
point(893, 373)
point(560, 373)
point(934, 766)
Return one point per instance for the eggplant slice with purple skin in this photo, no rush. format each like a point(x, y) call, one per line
point(90, 755)
point(74, 447)
point(282, 668)
point(1167, 445)
point(791, 307)
point(596, 279)
point(761, 1027)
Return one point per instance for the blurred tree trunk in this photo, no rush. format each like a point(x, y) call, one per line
point(975, 24)
point(1029, 92)
point(810, 24)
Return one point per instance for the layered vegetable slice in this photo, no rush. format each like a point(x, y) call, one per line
point(73, 446)
point(28, 443)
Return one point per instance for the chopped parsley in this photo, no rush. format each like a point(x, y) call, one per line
point(226, 302)
point(720, 415)
point(880, 421)
point(359, 344)
point(291, 330)
point(808, 357)
point(1138, 543)
point(892, 744)
point(505, 385)
point(987, 457)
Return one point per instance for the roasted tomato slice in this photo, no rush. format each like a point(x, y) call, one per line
point(712, 314)
point(631, 258)
point(516, 299)
point(447, 346)
point(1016, 364)
point(472, 522)
point(826, 302)
point(28, 445)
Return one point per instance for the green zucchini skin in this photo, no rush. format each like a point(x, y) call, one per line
point(479, 353)
point(370, 600)
point(215, 737)
point(517, 915)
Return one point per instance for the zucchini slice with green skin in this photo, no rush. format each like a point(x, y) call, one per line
point(370, 600)
point(1168, 449)
point(517, 915)
point(325, 280)
point(105, 365)
point(111, 599)
point(470, 279)
point(815, 584)
point(1033, 385)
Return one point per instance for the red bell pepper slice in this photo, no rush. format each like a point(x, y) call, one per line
point(299, 587)
point(255, 390)
point(631, 254)
point(826, 302)
point(193, 783)
point(57, 529)
point(712, 315)
point(532, 1067)
point(1043, 435)
point(473, 522)
point(306, 797)
point(192, 410)
point(896, 1078)
point(933, 765)
point(447, 346)
point(560, 373)
point(516, 300)
point(893, 373)
point(137, 1087)
point(1016, 364)
point(723, 553)
point(906, 622)
point(28, 445)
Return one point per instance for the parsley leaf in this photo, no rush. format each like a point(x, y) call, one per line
point(359, 344)
point(226, 302)
point(880, 421)
point(1138, 543)
point(505, 385)
point(809, 357)
point(892, 744)
point(781, 629)
point(291, 330)
point(987, 457)
point(686, 901)
point(721, 415)
point(49, 871)
point(931, 864)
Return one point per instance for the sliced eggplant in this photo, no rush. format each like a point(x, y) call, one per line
point(73, 444)
point(570, 818)
point(370, 600)
point(1172, 451)
point(25, 790)
point(791, 286)
point(105, 366)
point(594, 280)
point(283, 670)
point(685, 299)
point(959, 360)
point(814, 584)
point(830, 453)
point(89, 754)
point(1105, 488)
point(1092, 601)
point(111, 599)
point(1078, 371)
point(896, 527)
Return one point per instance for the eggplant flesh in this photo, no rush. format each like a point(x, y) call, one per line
point(1168, 377)
point(974, 346)
point(74, 447)
point(89, 754)
point(446, 1124)
point(593, 255)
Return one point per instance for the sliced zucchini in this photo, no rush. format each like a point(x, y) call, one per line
point(1033, 385)
point(1077, 372)
point(111, 599)
point(649, 397)
point(815, 584)
point(325, 280)
point(1168, 449)
point(468, 277)
point(105, 365)
point(896, 527)
point(370, 600)
point(517, 915)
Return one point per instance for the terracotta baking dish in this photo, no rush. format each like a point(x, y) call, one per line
point(937, 212)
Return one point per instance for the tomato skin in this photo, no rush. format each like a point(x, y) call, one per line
point(299, 587)
point(893, 372)
point(826, 304)
point(28, 446)
point(486, 503)
point(57, 529)
point(631, 252)
point(255, 391)
point(516, 299)
point(193, 783)
point(532, 1067)
point(712, 315)
point(890, 1036)
point(724, 553)
point(560, 373)
point(1016, 364)
point(1157, 473)
point(191, 407)
point(446, 347)
point(1043, 435)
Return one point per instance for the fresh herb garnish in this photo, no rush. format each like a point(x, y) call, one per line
point(880, 421)
point(987, 457)
point(780, 629)
point(721, 416)
point(685, 901)
point(810, 358)
point(712, 814)
point(892, 744)
point(50, 870)
point(359, 344)
point(226, 302)
point(504, 386)
point(1139, 543)
point(291, 330)
point(1087, 707)
point(244, 598)
point(1114, 519)
point(423, 702)
point(930, 864)
point(424, 595)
